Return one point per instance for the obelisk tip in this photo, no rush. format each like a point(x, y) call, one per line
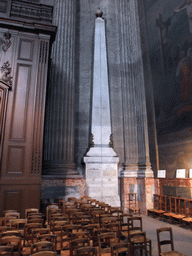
point(99, 13)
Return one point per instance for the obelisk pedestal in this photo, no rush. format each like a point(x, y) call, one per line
point(101, 160)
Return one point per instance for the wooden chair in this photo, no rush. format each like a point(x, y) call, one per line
point(106, 241)
point(123, 230)
point(181, 210)
point(57, 229)
point(3, 229)
point(35, 220)
point(120, 248)
point(18, 224)
point(72, 199)
point(34, 214)
point(30, 210)
point(78, 243)
point(61, 203)
point(42, 246)
point(87, 250)
point(156, 205)
point(4, 212)
point(138, 242)
point(133, 207)
point(172, 209)
point(28, 231)
point(13, 214)
point(188, 219)
point(113, 226)
point(96, 233)
point(48, 237)
point(105, 207)
point(57, 216)
point(166, 241)
point(67, 205)
point(14, 242)
point(83, 222)
point(160, 206)
point(85, 198)
point(38, 232)
point(66, 235)
point(6, 250)
point(11, 233)
point(7, 220)
point(81, 234)
point(90, 229)
point(95, 215)
point(50, 209)
point(135, 226)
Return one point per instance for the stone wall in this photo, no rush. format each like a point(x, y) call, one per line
point(53, 188)
point(175, 187)
point(145, 188)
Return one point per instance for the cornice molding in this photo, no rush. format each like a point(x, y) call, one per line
point(36, 28)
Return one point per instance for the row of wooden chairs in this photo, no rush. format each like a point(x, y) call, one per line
point(100, 219)
point(172, 209)
point(114, 232)
point(137, 238)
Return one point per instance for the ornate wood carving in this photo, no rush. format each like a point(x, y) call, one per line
point(3, 105)
point(39, 109)
point(5, 41)
point(6, 73)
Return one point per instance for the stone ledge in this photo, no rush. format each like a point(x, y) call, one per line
point(62, 176)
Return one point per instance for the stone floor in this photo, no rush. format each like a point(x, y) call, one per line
point(182, 236)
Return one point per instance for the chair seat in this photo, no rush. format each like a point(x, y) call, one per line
point(172, 253)
point(158, 211)
point(178, 216)
point(168, 214)
point(188, 219)
point(139, 239)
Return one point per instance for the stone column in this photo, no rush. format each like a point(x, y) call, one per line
point(59, 124)
point(136, 162)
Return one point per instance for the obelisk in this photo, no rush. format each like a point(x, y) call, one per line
point(101, 160)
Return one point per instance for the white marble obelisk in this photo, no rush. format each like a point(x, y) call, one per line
point(101, 160)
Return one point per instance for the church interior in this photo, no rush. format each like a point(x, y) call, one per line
point(95, 102)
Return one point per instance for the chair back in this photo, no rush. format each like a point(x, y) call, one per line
point(30, 210)
point(48, 237)
point(6, 250)
point(13, 214)
point(106, 240)
point(78, 243)
point(13, 241)
point(91, 251)
point(42, 246)
point(165, 237)
point(45, 253)
point(134, 225)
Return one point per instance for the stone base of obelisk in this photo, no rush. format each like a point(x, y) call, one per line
point(102, 175)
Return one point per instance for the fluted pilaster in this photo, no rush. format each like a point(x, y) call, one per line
point(59, 126)
point(137, 163)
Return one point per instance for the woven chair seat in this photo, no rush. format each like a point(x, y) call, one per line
point(173, 253)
